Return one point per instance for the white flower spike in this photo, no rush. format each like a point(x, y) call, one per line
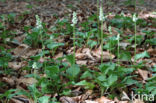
point(118, 36)
point(101, 15)
point(74, 20)
point(38, 22)
point(34, 66)
point(134, 17)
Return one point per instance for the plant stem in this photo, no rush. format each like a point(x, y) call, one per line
point(98, 22)
point(74, 44)
point(118, 48)
point(101, 42)
point(135, 34)
point(135, 39)
point(110, 42)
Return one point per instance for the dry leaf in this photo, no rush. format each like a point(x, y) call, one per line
point(20, 39)
point(20, 50)
point(80, 56)
point(106, 55)
point(31, 52)
point(104, 100)
point(58, 55)
point(10, 81)
point(26, 81)
point(81, 62)
point(67, 100)
point(12, 100)
point(17, 65)
point(89, 101)
point(143, 74)
point(138, 101)
point(87, 51)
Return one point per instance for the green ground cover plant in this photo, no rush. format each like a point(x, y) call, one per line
point(57, 77)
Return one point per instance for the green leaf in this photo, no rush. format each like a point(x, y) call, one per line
point(34, 91)
point(105, 68)
point(54, 45)
point(102, 78)
point(86, 74)
point(8, 94)
point(112, 79)
point(51, 70)
point(86, 84)
point(125, 55)
point(141, 55)
point(73, 71)
point(44, 99)
point(70, 59)
point(92, 43)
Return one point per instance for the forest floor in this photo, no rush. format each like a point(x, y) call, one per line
point(19, 51)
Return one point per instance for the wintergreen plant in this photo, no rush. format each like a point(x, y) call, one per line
point(35, 38)
point(74, 22)
point(101, 18)
point(39, 27)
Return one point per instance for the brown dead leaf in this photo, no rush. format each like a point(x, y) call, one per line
point(20, 50)
point(123, 102)
point(17, 65)
point(12, 100)
point(26, 81)
point(152, 51)
point(67, 100)
point(30, 52)
point(10, 81)
point(89, 101)
point(19, 39)
point(104, 100)
point(106, 55)
point(58, 55)
point(87, 51)
point(118, 101)
point(20, 99)
point(81, 62)
point(138, 101)
point(80, 56)
point(143, 74)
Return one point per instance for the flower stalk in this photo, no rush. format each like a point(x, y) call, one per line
point(110, 31)
point(101, 18)
point(74, 22)
point(135, 20)
point(118, 55)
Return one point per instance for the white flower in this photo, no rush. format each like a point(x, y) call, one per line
point(118, 36)
point(134, 18)
point(74, 20)
point(110, 29)
point(38, 22)
point(101, 15)
point(34, 66)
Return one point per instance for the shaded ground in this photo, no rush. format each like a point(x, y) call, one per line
point(52, 10)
